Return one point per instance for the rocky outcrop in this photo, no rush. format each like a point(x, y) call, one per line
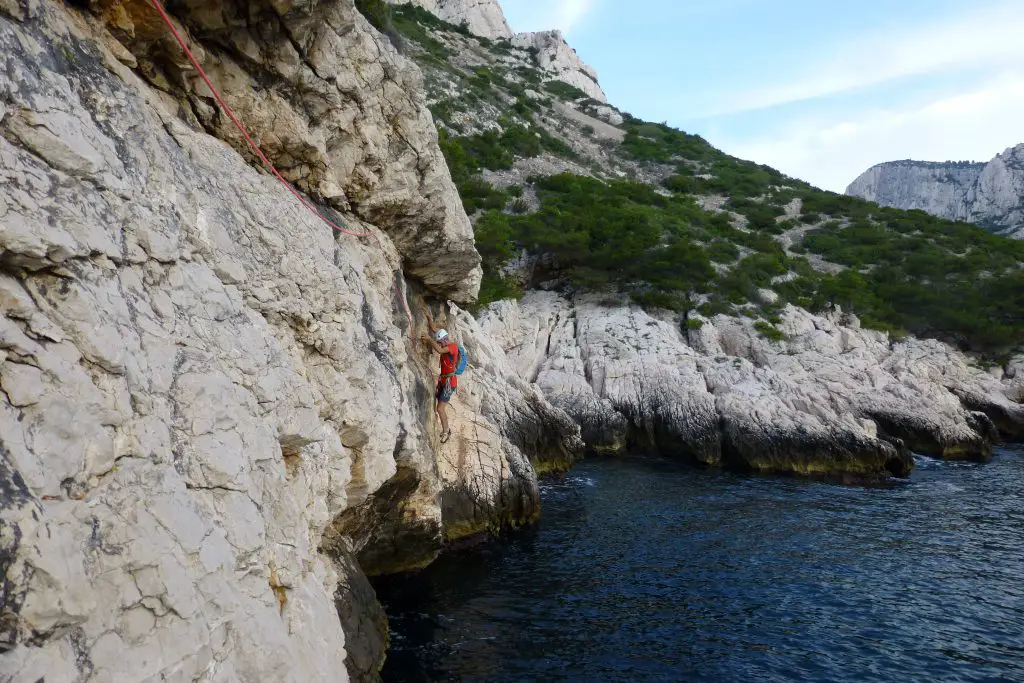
point(351, 131)
point(210, 403)
point(498, 413)
point(482, 17)
point(549, 49)
point(989, 194)
point(997, 198)
point(560, 61)
point(833, 398)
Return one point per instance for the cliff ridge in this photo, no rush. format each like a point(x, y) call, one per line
point(989, 194)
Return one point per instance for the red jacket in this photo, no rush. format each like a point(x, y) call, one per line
point(448, 362)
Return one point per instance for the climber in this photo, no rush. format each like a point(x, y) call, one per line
point(448, 381)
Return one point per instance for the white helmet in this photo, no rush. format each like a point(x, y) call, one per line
point(440, 334)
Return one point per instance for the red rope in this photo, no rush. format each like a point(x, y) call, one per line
point(263, 157)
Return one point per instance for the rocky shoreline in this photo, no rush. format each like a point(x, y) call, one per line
point(829, 398)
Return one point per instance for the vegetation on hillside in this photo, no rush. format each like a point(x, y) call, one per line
point(904, 271)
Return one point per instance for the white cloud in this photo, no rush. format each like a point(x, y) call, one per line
point(982, 36)
point(542, 15)
point(832, 152)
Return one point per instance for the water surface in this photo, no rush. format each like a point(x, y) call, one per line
point(642, 569)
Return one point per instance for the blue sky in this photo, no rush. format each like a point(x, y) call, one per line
point(820, 89)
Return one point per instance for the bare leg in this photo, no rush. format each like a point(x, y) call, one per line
point(441, 409)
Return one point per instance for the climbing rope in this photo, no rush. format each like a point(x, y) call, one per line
point(267, 163)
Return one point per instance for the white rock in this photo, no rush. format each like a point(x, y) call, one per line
point(989, 194)
point(482, 17)
point(831, 398)
point(558, 59)
point(609, 115)
point(213, 381)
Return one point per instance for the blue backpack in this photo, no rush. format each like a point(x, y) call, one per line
point(463, 361)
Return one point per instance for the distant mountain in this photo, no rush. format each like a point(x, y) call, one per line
point(989, 194)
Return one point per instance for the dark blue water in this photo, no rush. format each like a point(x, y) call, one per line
point(646, 570)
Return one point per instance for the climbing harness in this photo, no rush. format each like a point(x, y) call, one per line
point(269, 165)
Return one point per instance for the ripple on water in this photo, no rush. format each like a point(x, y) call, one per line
point(645, 570)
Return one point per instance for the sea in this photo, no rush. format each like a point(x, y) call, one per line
point(647, 569)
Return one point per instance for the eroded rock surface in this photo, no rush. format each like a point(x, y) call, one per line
point(559, 59)
point(482, 17)
point(833, 398)
point(211, 402)
point(335, 107)
point(989, 194)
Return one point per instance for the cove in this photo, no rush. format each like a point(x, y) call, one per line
point(644, 569)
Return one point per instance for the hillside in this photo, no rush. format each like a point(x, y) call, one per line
point(990, 195)
point(567, 192)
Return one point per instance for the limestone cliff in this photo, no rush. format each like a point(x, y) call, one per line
point(482, 17)
point(989, 194)
point(830, 398)
point(549, 49)
point(214, 416)
point(555, 57)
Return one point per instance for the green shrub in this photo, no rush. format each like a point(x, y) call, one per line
point(519, 205)
point(760, 215)
point(564, 91)
point(672, 301)
point(482, 78)
point(478, 194)
point(683, 184)
point(443, 110)
point(377, 12)
point(493, 150)
point(495, 288)
point(769, 331)
point(494, 239)
point(525, 107)
point(722, 251)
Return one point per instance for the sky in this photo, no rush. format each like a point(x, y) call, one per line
point(819, 89)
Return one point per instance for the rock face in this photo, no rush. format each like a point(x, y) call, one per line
point(833, 398)
point(351, 131)
point(557, 58)
point(991, 195)
point(211, 405)
point(482, 17)
point(551, 52)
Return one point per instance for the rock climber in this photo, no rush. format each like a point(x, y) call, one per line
point(448, 381)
